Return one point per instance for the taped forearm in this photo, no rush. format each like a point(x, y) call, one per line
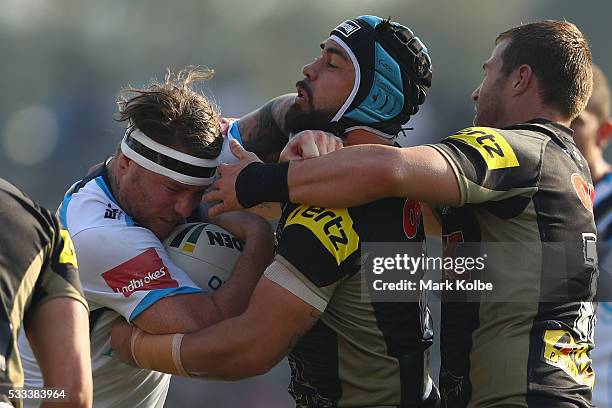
point(163, 353)
point(158, 352)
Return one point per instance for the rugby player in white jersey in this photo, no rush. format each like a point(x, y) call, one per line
point(119, 214)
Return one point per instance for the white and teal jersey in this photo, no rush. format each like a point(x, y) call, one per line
point(124, 269)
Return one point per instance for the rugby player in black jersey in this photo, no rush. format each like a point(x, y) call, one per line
point(344, 349)
point(516, 178)
point(39, 285)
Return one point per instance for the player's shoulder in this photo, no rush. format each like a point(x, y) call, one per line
point(331, 231)
point(92, 206)
point(230, 131)
point(24, 218)
point(498, 149)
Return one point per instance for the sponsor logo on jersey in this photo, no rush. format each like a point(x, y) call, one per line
point(68, 254)
point(332, 226)
point(585, 191)
point(146, 271)
point(562, 351)
point(112, 213)
point(412, 218)
point(348, 27)
point(492, 146)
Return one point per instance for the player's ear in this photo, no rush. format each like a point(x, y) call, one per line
point(522, 78)
point(123, 161)
point(604, 133)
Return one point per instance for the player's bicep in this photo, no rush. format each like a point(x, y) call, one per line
point(279, 316)
point(425, 174)
point(263, 130)
point(178, 314)
point(127, 269)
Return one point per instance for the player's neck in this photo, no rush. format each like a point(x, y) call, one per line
point(361, 136)
point(111, 168)
point(523, 112)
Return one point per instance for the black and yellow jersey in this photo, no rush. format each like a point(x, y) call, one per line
point(359, 353)
point(527, 188)
point(37, 263)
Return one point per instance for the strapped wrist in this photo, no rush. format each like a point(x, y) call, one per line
point(259, 182)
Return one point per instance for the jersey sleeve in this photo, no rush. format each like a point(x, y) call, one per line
point(127, 269)
point(319, 247)
point(59, 276)
point(489, 165)
point(231, 133)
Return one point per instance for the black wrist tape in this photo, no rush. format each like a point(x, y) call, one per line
point(259, 182)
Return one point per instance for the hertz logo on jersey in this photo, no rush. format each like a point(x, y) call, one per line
point(492, 146)
point(332, 226)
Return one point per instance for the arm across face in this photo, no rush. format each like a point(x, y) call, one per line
point(264, 133)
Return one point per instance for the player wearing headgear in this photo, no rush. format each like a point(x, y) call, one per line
point(344, 349)
point(392, 74)
point(119, 213)
point(386, 91)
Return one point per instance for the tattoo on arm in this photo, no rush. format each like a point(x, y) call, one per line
point(315, 314)
point(263, 131)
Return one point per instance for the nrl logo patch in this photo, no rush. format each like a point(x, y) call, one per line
point(348, 27)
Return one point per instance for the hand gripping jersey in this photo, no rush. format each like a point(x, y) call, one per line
point(37, 263)
point(528, 189)
point(124, 269)
point(359, 353)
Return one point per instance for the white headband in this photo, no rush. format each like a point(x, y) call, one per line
point(166, 161)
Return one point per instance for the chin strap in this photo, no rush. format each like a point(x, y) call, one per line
point(337, 129)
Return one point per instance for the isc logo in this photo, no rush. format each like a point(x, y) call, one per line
point(332, 226)
point(347, 28)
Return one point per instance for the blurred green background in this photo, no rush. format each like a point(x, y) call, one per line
point(63, 62)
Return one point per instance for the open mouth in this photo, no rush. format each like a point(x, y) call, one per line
point(302, 92)
point(301, 95)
